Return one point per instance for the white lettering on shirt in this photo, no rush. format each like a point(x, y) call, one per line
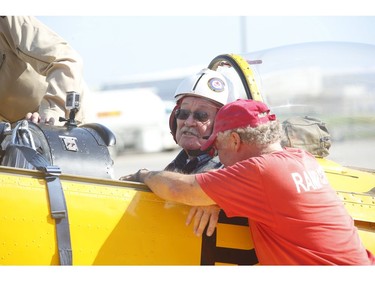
point(309, 180)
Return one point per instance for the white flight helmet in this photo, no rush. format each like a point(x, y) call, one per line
point(207, 83)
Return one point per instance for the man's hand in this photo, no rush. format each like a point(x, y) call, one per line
point(36, 118)
point(134, 177)
point(131, 177)
point(203, 216)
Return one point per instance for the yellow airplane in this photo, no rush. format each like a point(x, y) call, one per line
point(59, 203)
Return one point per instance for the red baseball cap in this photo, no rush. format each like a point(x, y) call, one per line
point(239, 114)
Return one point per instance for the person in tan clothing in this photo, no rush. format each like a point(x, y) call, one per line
point(37, 69)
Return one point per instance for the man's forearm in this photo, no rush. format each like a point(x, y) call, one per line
point(174, 187)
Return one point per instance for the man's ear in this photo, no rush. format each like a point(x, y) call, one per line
point(235, 141)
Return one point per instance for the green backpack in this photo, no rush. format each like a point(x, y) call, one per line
point(308, 133)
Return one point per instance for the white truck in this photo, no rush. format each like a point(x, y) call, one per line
point(138, 118)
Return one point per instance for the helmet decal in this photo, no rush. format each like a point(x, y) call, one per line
point(216, 84)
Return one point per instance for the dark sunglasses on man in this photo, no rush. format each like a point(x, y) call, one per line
point(183, 114)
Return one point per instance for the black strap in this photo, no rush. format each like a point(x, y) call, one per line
point(57, 202)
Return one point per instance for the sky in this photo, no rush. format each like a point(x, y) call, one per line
point(141, 36)
point(113, 47)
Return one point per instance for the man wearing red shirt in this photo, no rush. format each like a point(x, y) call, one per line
point(294, 214)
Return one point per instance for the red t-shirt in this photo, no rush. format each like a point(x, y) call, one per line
point(295, 216)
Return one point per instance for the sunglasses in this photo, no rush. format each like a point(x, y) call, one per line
point(184, 114)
